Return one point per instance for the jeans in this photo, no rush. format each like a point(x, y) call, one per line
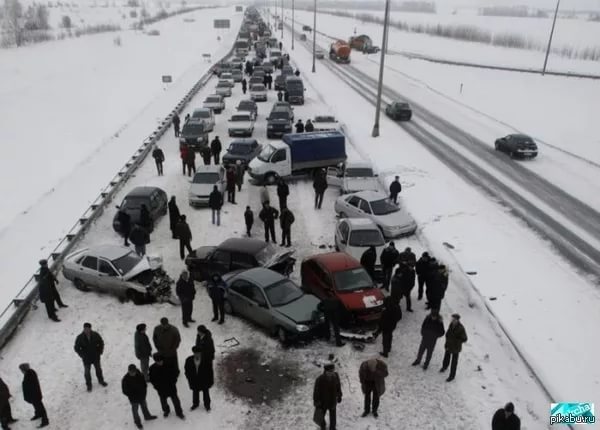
point(282, 202)
point(421, 282)
point(87, 375)
point(270, 228)
point(186, 311)
point(144, 366)
point(135, 406)
point(216, 212)
point(286, 236)
point(332, 418)
point(176, 127)
point(159, 167)
point(394, 197)
point(408, 302)
point(183, 165)
point(371, 392)
point(50, 309)
point(426, 346)
point(205, 398)
point(216, 158)
point(218, 310)
point(140, 250)
point(386, 340)
point(452, 359)
point(40, 411)
point(318, 200)
point(184, 244)
point(249, 229)
point(231, 195)
point(174, 399)
point(387, 277)
point(191, 167)
point(331, 323)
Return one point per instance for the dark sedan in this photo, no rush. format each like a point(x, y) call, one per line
point(237, 254)
point(154, 198)
point(241, 149)
point(517, 146)
point(399, 111)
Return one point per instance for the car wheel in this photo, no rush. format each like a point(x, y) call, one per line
point(80, 285)
point(282, 335)
point(135, 296)
point(342, 215)
point(228, 308)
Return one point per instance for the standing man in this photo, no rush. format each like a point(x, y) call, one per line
point(32, 393)
point(240, 169)
point(217, 290)
point(368, 259)
point(190, 161)
point(407, 283)
point(372, 374)
point(309, 126)
point(327, 394)
point(183, 154)
point(388, 259)
point(231, 184)
point(215, 149)
point(244, 83)
point(90, 346)
point(186, 291)
point(268, 215)
point(407, 257)
point(279, 96)
point(173, 216)
point(124, 225)
point(388, 322)
point(333, 310)
point(176, 122)
point(249, 220)
point(421, 269)
point(299, 126)
point(143, 349)
point(184, 234)
point(431, 330)
point(205, 342)
point(320, 185)
point(164, 380)
point(283, 191)
point(205, 154)
point(47, 290)
point(139, 237)
point(134, 386)
point(215, 203)
point(200, 376)
point(166, 339)
point(145, 218)
point(159, 158)
point(456, 335)
point(286, 220)
point(395, 188)
point(505, 418)
point(437, 285)
point(6, 417)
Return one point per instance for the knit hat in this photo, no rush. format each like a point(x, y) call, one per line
point(457, 316)
point(329, 366)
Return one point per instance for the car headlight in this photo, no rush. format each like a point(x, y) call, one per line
point(270, 126)
point(301, 328)
point(199, 139)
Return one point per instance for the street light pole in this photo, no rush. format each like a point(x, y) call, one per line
point(314, 37)
point(281, 21)
point(293, 34)
point(551, 34)
point(386, 19)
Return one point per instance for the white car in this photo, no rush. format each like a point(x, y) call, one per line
point(120, 271)
point(206, 116)
point(227, 77)
point(393, 220)
point(355, 235)
point(258, 93)
point(214, 102)
point(241, 124)
point(353, 176)
point(223, 89)
point(203, 182)
point(319, 54)
point(325, 123)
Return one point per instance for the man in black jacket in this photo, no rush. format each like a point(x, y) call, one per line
point(333, 311)
point(183, 232)
point(327, 394)
point(186, 291)
point(47, 289)
point(32, 393)
point(249, 220)
point(309, 127)
point(286, 219)
point(431, 329)
point(387, 323)
point(421, 269)
point(505, 418)
point(283, 191)
point(407, 283)
point(299, 126)
point(320, 185)
point(134, 386)
point(143, 348)
point(146, 219)
point(215, 149)
point(215, 203)
point(90, 346)
point(164, 380)
point(159, 158)
point(139, 237)
point(200, 376)
point(388, 259)
point(268, 215)
point(176, 122)
point(368, 260)
point(244, 85)
point(395, 189)
point(217, 292)
point(6, 417)
point(205, 153)
point(173, 215)
point(124, 225)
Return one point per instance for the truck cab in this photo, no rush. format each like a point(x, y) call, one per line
point(272, 162)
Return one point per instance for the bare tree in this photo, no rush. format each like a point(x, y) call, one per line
point(12, 22)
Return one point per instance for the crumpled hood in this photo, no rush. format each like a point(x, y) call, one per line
point(278, 257)
point(302, 310)
point(361, 299)
point(142, 266)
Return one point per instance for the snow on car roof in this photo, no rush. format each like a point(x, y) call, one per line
point(361, 223)
point(110, 252)
point(336, 261)
point(248, 245)
point(141, 191)
point(370, 195)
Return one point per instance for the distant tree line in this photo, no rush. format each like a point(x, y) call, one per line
point(406, 6)
point(512, 11)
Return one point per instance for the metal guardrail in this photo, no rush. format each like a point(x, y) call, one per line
point(13, 314)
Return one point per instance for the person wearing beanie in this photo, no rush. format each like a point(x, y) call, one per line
point(32, 393)
point(326, 395)
point(506, 419)
point(134, 387)
point(421, 269)
point(431, 329)
point(456, 335)
point(143, 348)
point(200, 376)
point(249, 220)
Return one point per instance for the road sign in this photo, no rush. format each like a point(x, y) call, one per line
point(222, 23)
point(167, 79)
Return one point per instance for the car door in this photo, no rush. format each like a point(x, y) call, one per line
point(108, 277)
point(238, 291)
point(88, 271)
point(364, 208)
point(220, 262)
point(260, 312)
point(341, 235)
point(241, 261)
point(352, 206)
point(334, 177)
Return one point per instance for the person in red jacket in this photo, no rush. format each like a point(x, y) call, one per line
point(183, 151)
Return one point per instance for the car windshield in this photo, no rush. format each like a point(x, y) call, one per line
point(239, 148)
point(366, 238)
point(324, 119)
point(353, 279)
point(264, 255)
point(201, 114)
point(401, 105)
point(240, 118)
point(275, 54)
point(279, 115)
point(359, 172)
point(222, 84)
point(246, 106)
point(257, 88)
point(206, 178)
point(127, 262)
point(134, 202)
point(282, 293)
point(383, 207)
point(193, 129)
point(213, 99)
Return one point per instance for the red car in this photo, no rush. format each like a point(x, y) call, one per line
point(341, 275)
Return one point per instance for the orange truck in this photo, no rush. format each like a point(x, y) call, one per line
point(339, 51)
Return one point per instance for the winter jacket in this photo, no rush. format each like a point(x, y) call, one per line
point(320, 183)
point(217, 291)
point(166, 339)
point(145, 218)
point(309, 127)
point(231, 182)
point(268, 215)
point(176, 120)
point(201, 377)
point(185, 290)
point(207, 346)
point(139, 236)
point(158, 155)
point(407, 257)
point(124, 222)
point(389, 257)
point(46, 285)
point(215, 146)
point(422, 265)
point(249, 217)
point(368, 260)
point(286, 219)
point(395, 188)
point(390, 316)
point(32, 393)
point(183, 152)
point(456, 335)
point(239, 173)
point(366, 375)
point(4, 395)
point(215, 200)
point(431, 328)
point(183, 231)
point(328, 390)
point(500, 422)
point(142, 346)
point(89, 349)
point(163, 379)
point(407, 280)
point(299, 127)
point(173, 214)
point(283, 190)
point(205, 153)
point(134, 387)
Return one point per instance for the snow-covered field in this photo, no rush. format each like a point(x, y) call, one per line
point(67, 111)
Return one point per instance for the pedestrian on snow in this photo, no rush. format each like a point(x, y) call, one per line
point(32, 393)
point(244, 85)
point(368, 260)
point(173, 216)
point(215, 149)
point(186, 291)
point(200, 376)
point(176, 122)
point(286, 96)
point(436, 287)
point(405, 285)
point(280, 46)
point(205, 342)
point(505, 418)
point(134, 387)
point(395, 188)
point(164, 380)
point(145, 218)
point(268, 215)
point(184, 234)
point(166, 340)
point(206, 154)
point(299, 126)
point(143, 349)
point(320, 185)
point(47, 290)
point(431, 330)
point(140, 238)
point(183, 153)
point(388, 259)
point(159, 158)
point(265, 80)
point(124, 225)
point(283, 191)
point(456, 335)
point(286, 219)
point(297, 72)
point(190, 161)
point(421, 269)
point(388, 322)
point(326, 395)
point(264, 195)
point(6, 417)
point(231, 184)
point(187, 117)
point(279, 96)
point(407, 257)
point(372, 374)
point(430, 280)
point(333, 310)
point(249, 220)
point(215, 203)
point(248, 68)
point(217, 291)
point(269, 80)
point(309, 126)
point(90, 346)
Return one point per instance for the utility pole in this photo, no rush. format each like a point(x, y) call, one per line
point(281, 21)
point(386, 19)
point(293, 33)
point(314, 37)
point(551, 34)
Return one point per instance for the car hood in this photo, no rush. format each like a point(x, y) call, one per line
point(361, 299)
point(279, 122)
point(358, 251)
point(236, 125)
point(146, 263)
point(361, 184)
point(400, 218)
point(278, 258)
point(302, 310)
point(201, 189)
point(202, 253)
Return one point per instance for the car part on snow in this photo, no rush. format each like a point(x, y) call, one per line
point(230, 343)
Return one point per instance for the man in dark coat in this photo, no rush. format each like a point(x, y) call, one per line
point(215, 203)
point(173, 216)
point(244, 85)
point(395, 188)
point(215, 149)
point(143, 349)
point(286, 219)
point(456, 335)
point(134, 386)
point(421, 269)
point(249, 220)
point(309, 126)
point(48, 291)
point(368, 260)
point(279, 96)
point(140, 238)
point(283, 191)
point(299, 126)
point(388, 322)
point(176, 123)
point(183, 232)
point(186, 291)
point(32, 393)
point(205, 342)
point(265, 80)
point(327, 394)
point(200, 376)
point(388, 259)
point(145, 218)
point(268, 215)
point(159, 158)
point(280, 46)
point(190, 161)
point(217, 291)
point(90, 346)
point(505, 418)
point(437, 286)
point(164, 380)
point(205, 154)
point(407, 283)
point(124, 225)
point(269, 81)
point(333, 310)
point(431, 329)
point(231, 184)
point(6, 417)
point(372, 374)
point(319, 185)
point(183, 154)
point(240, 170)
point(166, 340)
point(407, 257)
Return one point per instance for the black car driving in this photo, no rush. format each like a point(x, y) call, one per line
point(517, 146)
point(399, 111)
